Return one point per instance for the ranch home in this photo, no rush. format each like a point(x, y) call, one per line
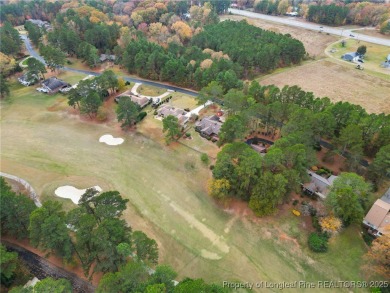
point(378, 217)
point(141, 101)
point(53, 85)
point(166, 110)
point(318, 185)
point(209, 126)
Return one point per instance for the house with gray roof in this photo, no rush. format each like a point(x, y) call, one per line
point(166, 110)
point(318, 185)
point(350, 56)
point(209, 126)
point(377, 219)
point(41, 24)
point(107, 57)
point(141, 101)
point(53, 85)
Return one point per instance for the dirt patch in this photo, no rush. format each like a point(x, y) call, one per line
point(337, 82)
point(314, 42)
point(338, 164)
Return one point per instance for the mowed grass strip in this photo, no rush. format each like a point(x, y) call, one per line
point(166, 187)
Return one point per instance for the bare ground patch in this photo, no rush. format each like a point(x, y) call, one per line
point(337, 82)
point(314, 42)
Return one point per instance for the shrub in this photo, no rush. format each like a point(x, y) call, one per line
point(368, 238)
point(188, 134)
point(102, 114)
point(211, 167)
point(141, 116)
point(127, 83)
point(204, 158)
point(68, 62)
point(318, 242)
point(316, 223)
point(295, 202)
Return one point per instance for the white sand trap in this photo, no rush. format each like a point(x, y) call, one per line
point(110, 140)
point(72, 193)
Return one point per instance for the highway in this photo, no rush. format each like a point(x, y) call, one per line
point(292, 21)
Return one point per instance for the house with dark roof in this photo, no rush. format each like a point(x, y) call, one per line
point(209, 126)
point(166, 110)
point(53, 85)
point(141, 101)
point(377, 219)
point(318, 185)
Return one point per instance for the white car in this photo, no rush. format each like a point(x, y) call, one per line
point(42, 90)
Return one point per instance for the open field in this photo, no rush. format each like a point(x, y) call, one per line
point(338, 82)
point(166, 187)
point(314, 42)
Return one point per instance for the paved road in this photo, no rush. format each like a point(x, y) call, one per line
point(35, 54)
point(291, 21)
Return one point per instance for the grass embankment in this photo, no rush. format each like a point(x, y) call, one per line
point(166, 189)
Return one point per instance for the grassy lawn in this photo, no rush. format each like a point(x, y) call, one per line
point(48, 146)
point(183, 101)
point(376, 54)
point(149, 90)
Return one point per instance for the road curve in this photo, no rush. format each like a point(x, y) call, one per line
point(291, 21)
point(35, 54)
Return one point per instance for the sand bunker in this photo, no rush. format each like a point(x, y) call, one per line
point(72, 193)
point(110, 140)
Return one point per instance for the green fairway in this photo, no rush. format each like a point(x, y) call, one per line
point(42, 142)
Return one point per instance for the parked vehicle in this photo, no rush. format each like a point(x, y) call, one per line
point(42, 90)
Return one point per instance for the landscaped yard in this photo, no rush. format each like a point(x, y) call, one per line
point(376, 54)
point(166, 187)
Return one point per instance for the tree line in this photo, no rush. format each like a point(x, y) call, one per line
point(94, 234)
point(340, 13)
point(18, 12)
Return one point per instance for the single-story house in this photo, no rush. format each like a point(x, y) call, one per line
point(41, 23)
point(53, 85)
point(318, 185)
point(141, 101)
point(350, 56)
point(107, 57)
point(166, 110)
point(209, 126)
point(24, 80)
point(378, 217)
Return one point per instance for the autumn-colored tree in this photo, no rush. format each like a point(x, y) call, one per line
point(183, 30)
point(378, 257)
point(219, 188)
point(206, 63)
point(330, 224)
